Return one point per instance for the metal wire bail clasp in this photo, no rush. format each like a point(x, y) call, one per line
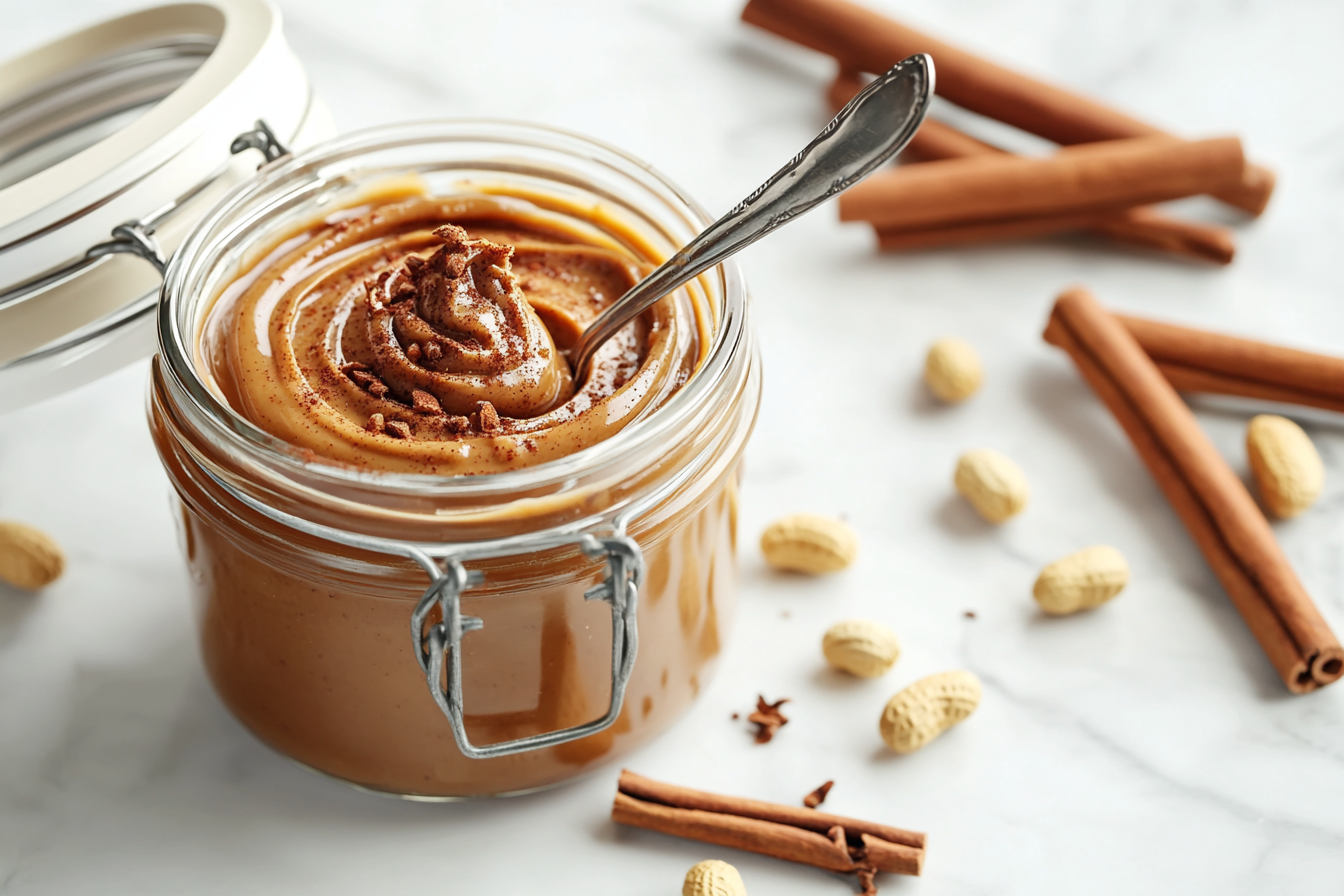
point(443, 639)
point(260, 137)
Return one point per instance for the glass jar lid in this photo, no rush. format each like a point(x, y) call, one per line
point(128, 122)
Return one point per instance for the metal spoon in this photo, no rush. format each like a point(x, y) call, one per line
point(872, 128)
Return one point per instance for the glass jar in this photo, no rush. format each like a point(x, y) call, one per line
point(445, 637)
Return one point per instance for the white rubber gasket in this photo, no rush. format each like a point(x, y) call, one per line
point(250, 74)
point(52, 217)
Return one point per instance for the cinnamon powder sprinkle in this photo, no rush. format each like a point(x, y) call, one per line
point(768, 719)
point(818, 796)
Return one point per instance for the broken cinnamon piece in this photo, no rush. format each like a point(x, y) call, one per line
point(818, 796)
point(398, 429)
point(866, 881)
point(424, 403)
point(413, 352)
point(1140, 226)
point(1098, 177)
point(768, 719)
point(1211, 500)
point(866, 41)
point(376, 423)
point(798, 835)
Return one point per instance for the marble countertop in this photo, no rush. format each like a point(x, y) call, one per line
point(1147, 747)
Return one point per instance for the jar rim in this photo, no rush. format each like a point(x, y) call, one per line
point(176, 347)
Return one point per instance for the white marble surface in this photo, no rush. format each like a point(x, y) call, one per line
point(1144, 748)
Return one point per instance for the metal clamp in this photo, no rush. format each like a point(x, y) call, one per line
point(260, 137)
point(136, 237)
point(619, 588)
point(132, 238)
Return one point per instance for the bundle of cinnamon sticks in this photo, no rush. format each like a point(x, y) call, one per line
point(806, 836)
point(1133, 366)
point(1103, 180)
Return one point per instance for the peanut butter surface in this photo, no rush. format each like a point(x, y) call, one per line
point(425, 334)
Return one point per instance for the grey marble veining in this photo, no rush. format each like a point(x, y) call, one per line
point(1147, 747)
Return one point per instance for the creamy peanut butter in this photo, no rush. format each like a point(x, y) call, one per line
point(425, 334)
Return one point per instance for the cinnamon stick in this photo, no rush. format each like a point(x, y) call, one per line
point(1150, 228)
point(1209, 498)
point(1132, 226)
point(808, 819)
point(1092, 178)
point(863, 40)
point(1140, 226)
point(1199, 361)
point(784, 832)
point(779, 841)
point(896, 239)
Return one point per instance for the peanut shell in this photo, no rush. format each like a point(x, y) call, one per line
point(713, 878)
point(952, 370)
point(861, 647)
point(29, 558)
point(917, 715)
point(1286, 466)
point(808, 543)
point(996, 487)
point(1081, 581)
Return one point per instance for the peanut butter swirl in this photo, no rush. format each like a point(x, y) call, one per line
point(453, 331)
point(426, 335)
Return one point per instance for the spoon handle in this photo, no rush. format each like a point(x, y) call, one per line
point(872, 128)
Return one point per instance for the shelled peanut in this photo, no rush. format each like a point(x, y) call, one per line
point(1286, 466)
point(809, 543)
point(29, 558)
point(994, 485)
point(861, 647)
point(952, 370)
